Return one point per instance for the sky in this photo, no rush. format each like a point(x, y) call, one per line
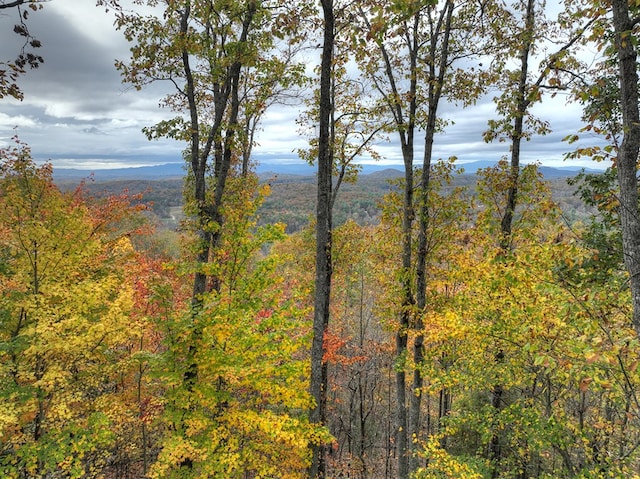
point(77, 113)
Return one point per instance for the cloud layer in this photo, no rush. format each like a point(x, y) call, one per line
point(77, 112)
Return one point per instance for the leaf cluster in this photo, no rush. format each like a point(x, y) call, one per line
point(11, 71)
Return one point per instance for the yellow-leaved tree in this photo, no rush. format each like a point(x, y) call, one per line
point(567, 362)
point(246, 416)
point(63, 314)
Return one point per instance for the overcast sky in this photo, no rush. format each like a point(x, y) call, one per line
point(77, 113)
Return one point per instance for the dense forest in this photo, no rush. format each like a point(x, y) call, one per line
point(292, 197)
point(431, 325)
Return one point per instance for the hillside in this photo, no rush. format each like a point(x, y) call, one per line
point(293, 197)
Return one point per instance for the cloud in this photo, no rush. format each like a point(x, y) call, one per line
point(75, 104)
point(15, 121)
point(93, 131)
point(76, 108)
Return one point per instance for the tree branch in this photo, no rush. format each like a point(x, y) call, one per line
point(17, 3)
point(12, 4)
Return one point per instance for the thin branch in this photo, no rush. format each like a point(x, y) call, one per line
point(16, 3)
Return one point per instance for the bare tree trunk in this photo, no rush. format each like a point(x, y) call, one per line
point(323, 245)
point(402, 445)
point(437, 67)
point(628, 152)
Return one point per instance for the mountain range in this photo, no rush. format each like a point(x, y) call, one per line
point(177, 170)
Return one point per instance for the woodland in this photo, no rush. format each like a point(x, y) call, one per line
point(469, 326)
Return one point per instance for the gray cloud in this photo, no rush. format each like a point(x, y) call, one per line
point(77, 112)
point(75, 105)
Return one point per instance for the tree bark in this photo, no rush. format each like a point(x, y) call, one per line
point(628, 152)
point(437, 72)
point(506, 225)
point(408, 299)
point(318, 385)
point(402, 447)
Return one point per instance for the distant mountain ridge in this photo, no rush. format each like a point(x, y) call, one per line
point(156, 172)
point(177, 170)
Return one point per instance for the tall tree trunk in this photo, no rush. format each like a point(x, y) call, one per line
point(436, 75)
point(405, 123)
point(522, 104)
point(628, 152)
point(407, 132)
point(208, 211)
point(506, 225)
point(323, 244)
point(197, 167)
point(402, 448)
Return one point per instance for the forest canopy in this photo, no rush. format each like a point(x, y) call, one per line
point(474, 330)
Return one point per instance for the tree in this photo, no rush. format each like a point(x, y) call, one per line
point(514, 105)
point(610, 96)
point(359, 350)
point(64, 317)
point(408, 50)
point(214, 54)
point(10, 71)
point(446, 208)
point(137, 408)
point(341, 107)
point(625, 23)
point(565, 397)
point(520, 38)
point(323, 242)
point(248, 411)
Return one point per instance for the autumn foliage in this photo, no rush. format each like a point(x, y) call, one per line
point(94, 351)
point(93, 344)
point(472, 332)
point(66, 313)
